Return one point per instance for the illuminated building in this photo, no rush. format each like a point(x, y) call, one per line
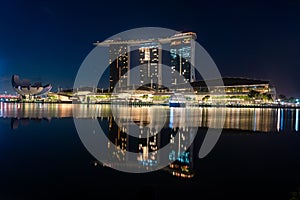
point(28, 90)
point(233, 89)
point(150, 65)
point(119, 62)
point(234, 86)
point(182, 53)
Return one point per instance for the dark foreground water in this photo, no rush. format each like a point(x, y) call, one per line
point(42, 157)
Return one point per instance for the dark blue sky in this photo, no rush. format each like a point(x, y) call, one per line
point(48, 40)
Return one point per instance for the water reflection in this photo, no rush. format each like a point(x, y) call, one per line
point(156, 127)
point(35, 110)
point(248, 119)
point(150, 138)
point(16, 122)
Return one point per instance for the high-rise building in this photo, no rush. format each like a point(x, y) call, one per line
point(119, 62)
point(182, 59)
point(182, 56)
point(150, 65)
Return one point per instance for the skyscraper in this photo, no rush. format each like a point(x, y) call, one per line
point(182, 56)
point(182, 59)
point(119, 62)
point(150, 65)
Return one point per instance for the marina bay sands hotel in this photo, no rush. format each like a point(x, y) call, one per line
point(149, 56)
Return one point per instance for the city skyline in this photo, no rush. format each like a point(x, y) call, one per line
point(257, 40)
point(103, 99)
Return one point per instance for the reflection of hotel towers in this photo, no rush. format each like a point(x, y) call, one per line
point(150, 139)
point(119, 138)
point(182, 155)
point(150, 143)
point(182, 59)
point(145, 147)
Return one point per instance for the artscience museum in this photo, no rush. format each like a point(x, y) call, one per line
point(28, 90)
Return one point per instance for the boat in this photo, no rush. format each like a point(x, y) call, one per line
point(177, 100)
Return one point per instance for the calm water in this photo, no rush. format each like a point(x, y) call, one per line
point(42, 156)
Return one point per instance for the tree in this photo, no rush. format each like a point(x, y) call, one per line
point(253, 94)
point(270, 98)
point(292, 100)
point(205, 98)
point(282, 97)
point(266, 97)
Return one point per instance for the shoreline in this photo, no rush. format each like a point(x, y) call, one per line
point(163, 104)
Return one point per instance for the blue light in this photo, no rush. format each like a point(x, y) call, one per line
point(297, 120)
point(184, 158)
point(278, 120)
point(281, 119)
point(172, 155)
point(171, 117)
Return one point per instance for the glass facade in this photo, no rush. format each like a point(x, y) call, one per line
point(182, 49)
point(150, 63)
point(119, 61)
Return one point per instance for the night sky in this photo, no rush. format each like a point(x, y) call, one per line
point(48, 40)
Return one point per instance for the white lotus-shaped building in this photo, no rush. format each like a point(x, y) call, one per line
point(24, 87)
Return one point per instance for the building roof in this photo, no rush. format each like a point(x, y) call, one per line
point(230, 81)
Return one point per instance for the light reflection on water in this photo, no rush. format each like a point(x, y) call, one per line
point(263, 156)
point(249, 119)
